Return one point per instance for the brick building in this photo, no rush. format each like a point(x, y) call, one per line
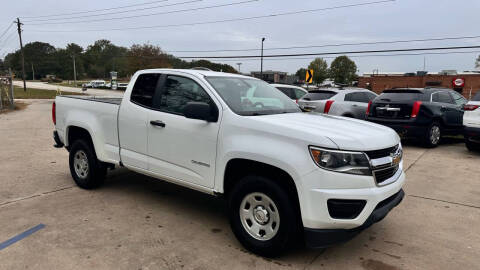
point(466, 84)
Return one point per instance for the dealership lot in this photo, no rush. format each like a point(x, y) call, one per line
point(136, 222)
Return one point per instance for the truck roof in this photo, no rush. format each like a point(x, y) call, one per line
point(198, 72)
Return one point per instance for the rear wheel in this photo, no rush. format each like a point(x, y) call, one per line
point(262, 216)
point(433, 135)
point(87, 171)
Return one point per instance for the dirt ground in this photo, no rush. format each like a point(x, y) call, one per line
point(136, 222)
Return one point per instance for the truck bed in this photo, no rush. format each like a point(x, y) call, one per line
point(111, 100)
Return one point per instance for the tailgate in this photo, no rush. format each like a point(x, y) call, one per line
point(391, 110)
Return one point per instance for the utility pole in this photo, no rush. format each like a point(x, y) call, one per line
point(33, 73)
point(239, 64)
point(74, 72)
point(19, 29)
point(261, 61)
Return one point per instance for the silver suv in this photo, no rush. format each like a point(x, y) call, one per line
point(349, 102)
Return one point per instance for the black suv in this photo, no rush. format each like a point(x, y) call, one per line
point(422, 113)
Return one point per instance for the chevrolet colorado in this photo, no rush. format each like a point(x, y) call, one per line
point(282, 171)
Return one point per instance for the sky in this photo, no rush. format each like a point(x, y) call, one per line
point(388, 21)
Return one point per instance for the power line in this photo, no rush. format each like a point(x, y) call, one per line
point(332, 53)
point(110, 13)
point(94, 10)
point(221, 21)
point(329, 45)
point(6, 30)
point(6, 40)
point(358, 56)
point(153, 14)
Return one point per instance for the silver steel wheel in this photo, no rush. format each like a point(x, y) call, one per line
point(80, 164)
point(259, 216)
point(435, 134)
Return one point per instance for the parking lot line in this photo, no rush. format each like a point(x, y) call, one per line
point(19, 237)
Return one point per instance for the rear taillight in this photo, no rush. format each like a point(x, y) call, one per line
point(328, 105)
point(368, 107)
point(296, 101)
point(416, 108)
point(471, 107)
point(54, 114)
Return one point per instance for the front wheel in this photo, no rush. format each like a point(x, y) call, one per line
point(262, 216)
point(433, 136)
point(87, 171)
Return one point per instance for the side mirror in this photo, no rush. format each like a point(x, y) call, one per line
point(201, 111)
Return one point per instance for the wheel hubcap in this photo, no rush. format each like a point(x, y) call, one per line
point(435, 135)
point(259, 216)
point(80, 163)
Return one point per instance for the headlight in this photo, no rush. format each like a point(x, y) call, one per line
point(341, 161)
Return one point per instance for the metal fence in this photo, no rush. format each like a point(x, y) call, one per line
point(6, 92)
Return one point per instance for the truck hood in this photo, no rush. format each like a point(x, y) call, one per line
point(346, 133)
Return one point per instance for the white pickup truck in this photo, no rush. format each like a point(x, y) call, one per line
point(287, 175)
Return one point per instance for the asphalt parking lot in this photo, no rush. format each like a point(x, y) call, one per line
point(136, 222)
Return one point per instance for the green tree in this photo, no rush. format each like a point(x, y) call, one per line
point(103, 57)
point(146, 56)
point(343, 70)
point(301, 73)
point(320, 70)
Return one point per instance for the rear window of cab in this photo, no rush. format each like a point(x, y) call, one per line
point(319, 95)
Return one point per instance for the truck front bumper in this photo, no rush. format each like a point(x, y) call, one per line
point(321, 238)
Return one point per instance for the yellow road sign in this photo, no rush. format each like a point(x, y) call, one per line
point(309, 76)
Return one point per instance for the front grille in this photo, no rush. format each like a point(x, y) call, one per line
point(384, 174)
point(382, 152)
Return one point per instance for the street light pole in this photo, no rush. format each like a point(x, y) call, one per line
point(261, 61)
point(74, 71)
point(239, 64)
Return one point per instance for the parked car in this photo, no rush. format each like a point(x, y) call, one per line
point(427, 114)
point(293, 92)
point(471, 121)
point(94, 84)
point(350, 102)
point(281, 170)
point(122, 86)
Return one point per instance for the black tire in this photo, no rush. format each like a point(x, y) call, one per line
point(95, 175)
point(471, 146)
point(428, 139)
point(287, 230)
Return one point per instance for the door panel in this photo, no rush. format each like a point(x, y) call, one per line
point(183, 149)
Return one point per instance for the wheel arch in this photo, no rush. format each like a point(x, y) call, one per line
point(237, 168)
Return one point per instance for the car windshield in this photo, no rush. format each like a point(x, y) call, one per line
point(250, 97)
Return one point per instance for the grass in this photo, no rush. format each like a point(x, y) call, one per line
point(33, 93)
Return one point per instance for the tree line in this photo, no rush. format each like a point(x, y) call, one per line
point(96, 61)
point(342, 71)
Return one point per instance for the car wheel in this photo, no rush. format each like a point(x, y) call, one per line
point(262, 216)
point(471, 146)
point(433, 135)
point(87, 171)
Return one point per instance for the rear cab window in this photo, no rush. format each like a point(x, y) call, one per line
point(144, 89)
point(319, 95)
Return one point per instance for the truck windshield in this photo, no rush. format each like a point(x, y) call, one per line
point(250, 97)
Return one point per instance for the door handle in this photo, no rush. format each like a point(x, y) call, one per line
point(157, 123)
point(354, 105)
